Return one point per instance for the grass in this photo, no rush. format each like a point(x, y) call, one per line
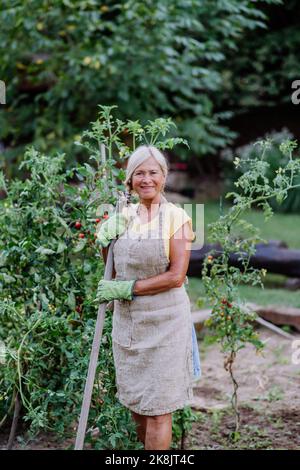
point(254, 294)
point(285, 227)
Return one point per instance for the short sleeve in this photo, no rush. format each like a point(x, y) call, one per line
point(178, 217)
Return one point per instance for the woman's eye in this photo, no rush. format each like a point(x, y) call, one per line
point(142, 174)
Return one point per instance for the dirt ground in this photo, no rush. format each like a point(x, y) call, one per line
point(269, 397)
point(269, 400)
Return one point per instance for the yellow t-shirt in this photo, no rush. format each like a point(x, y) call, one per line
point(174, 218)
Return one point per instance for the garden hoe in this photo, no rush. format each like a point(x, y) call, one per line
point(85, 407)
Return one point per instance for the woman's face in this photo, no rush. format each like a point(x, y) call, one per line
point(148, 179)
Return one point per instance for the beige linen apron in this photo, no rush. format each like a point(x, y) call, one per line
point(151, 334)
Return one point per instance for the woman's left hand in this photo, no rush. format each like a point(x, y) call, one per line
point(114, 290)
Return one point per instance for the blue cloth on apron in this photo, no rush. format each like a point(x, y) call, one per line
point(196, 356)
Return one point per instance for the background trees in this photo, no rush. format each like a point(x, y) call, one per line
point(182, 58)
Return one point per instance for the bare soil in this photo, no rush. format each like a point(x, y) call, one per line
point(269, 398)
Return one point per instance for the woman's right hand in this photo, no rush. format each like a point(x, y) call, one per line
point(111, 228)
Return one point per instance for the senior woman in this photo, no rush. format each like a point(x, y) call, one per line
point(152, 325)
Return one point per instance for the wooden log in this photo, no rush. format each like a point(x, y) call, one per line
point(272, 256)
point(278, 315)
point(292, 283)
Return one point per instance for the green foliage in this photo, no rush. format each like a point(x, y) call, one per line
point(49, 270)
point(181, 425)
point(261, 74)
point(60, 58)
point(47, 281)
point(274, 167)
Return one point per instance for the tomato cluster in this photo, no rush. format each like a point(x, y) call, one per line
point(225, 306)
point(78, 225)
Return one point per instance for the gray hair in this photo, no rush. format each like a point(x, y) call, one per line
point(139, 156)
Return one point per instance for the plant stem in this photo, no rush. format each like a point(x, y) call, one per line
point(234, 399)
point(15, 421)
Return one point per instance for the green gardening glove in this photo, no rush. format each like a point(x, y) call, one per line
point(115, 225)
point(111, 290)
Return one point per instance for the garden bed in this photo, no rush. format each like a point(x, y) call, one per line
point(269, 401)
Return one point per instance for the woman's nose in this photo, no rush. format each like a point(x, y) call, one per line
point(146, 179)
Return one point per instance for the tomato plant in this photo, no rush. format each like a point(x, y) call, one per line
point(50, 266)
point(231, 323)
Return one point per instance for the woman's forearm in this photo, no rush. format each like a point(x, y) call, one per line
point(152, 285)
point(156, 284)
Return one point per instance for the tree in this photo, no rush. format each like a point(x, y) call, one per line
point(267, 63)
point(149, 57)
